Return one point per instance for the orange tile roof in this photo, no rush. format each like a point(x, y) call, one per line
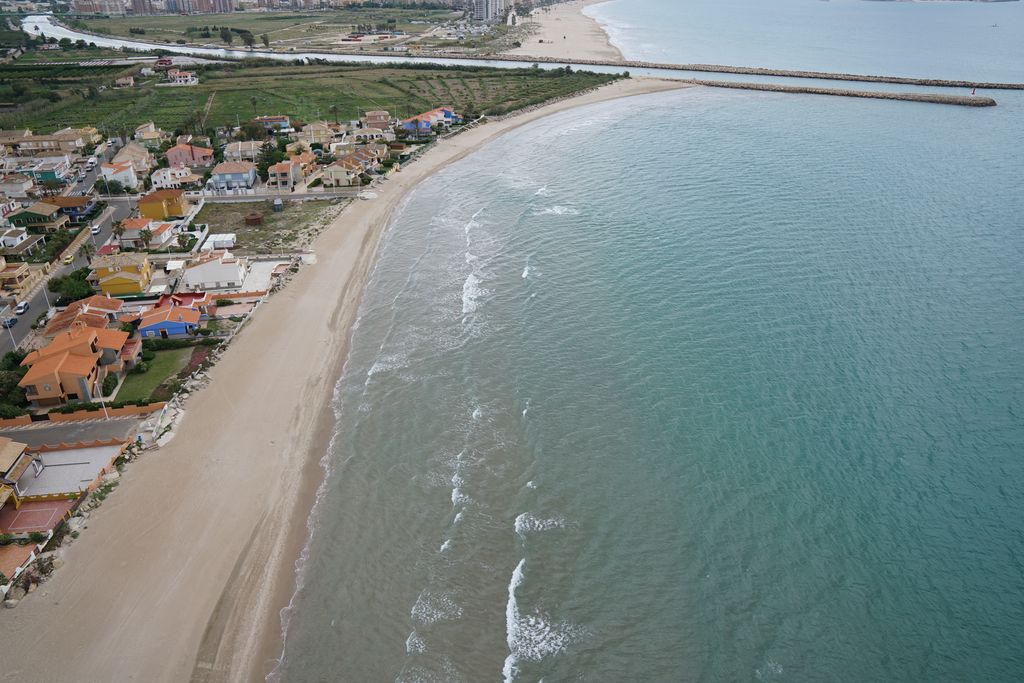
point(172, 314)
point(139, 223)
point(234, 167)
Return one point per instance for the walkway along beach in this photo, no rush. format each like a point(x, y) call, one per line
point(182, 575)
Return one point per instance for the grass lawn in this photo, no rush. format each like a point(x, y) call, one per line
point(305, 92)
point(280, 232)
point(166, 364)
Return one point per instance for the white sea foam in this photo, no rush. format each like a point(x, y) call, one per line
point(543, 192)
point(558, 211)
point(415, 644)
point(387, 363)
point(531, 484)
point(531, 637)
point(768, 671)
point(459, 517)
point(472, 291)
point(478, 413)
point(526, 270)
point(527, 523)
point(445, 546)
point(431, 608)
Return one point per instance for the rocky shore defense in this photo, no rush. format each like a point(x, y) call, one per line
point(931, 98)
point(784, 73)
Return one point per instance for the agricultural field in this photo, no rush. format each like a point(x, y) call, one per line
point(291, 29)
point(234, 92)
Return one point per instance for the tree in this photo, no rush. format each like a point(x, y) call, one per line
point(252, 101)
point(266, 40)
point(252, 131)
point(248, 39)
point(112, 186)
point(146, 235)
point(71, 287)
point(334, 112)
point(118, 230)
point(226, 35)
point(183, 240)
point(88, 250)
point(51, 187)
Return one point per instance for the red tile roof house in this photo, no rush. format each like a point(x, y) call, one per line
point(189, 155)
point(96, 311)
point(284, 175)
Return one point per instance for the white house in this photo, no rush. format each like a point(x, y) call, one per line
point(222, 240)
point(222, 271)
point(173, 178)
point(16, 185)
point(12, 237)
point(176, 77)
point(123, 173)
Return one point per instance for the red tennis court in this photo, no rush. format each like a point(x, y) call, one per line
point(32, 516)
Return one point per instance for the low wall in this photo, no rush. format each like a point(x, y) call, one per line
point(20, 421)
point(112, 412)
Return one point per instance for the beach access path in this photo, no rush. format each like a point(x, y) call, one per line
point(562, 31)
point(182, 573)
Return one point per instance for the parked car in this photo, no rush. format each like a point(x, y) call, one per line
point(10, 322)
point(70, 258)
point(21, 308)
point(95, 229)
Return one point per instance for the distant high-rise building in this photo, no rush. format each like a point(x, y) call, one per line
point(142, 7)
point(98, 6)
point(488, 10)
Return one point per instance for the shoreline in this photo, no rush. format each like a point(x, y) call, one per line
point(185, 573)
point(567, 33)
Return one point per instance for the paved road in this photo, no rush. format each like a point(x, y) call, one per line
point(44, 433)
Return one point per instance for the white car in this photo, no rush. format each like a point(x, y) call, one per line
point(21, 308)
point(95, 229)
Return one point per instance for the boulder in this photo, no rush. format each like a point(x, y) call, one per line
point(11, 604)
point(111, 476)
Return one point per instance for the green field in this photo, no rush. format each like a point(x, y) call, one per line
point(279, 26)
point(166, 363)
point(306, 92)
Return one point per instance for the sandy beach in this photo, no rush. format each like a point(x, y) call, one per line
point(563, 31)
point(182, 573)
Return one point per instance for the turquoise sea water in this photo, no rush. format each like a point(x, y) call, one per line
point(704, 385)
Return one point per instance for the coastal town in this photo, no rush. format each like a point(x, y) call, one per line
point(127, 266)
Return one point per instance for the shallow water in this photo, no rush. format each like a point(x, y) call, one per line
point(700, 385)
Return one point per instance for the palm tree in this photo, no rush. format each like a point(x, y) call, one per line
point(334, 110)
point(252, 101)
point(118, 230)
point(146, 235)
point(88, 250)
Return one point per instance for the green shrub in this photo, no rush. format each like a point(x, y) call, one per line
point(7, 411)
point(109, 384)
point(37, 537)
point(140, 368)
point(165, 344)
point(209, 342)
point(205, 331)
point(148, 355)
point(224, 302)
point(6, 539)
